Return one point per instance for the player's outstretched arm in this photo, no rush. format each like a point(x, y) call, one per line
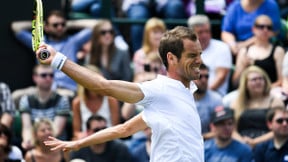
point(122, 130)
point(121, 90)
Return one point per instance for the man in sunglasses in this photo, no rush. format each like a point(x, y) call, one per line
point(112, 151)
point(56, 34)
point(43, 102)
point(206, 101)
point(275, 149)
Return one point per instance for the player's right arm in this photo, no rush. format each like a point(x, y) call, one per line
point(121, 90)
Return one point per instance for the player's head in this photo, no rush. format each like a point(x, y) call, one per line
point(180, 51)
point(55, 25)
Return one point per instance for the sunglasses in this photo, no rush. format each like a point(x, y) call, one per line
point(44, 75)
point(98, 129)
point(206, 76)
point(261, 26)
point(62, 24)
point(281, 120)
point(104, 32)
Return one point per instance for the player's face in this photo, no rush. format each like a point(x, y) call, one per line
point(56, 27)
point(190, 61)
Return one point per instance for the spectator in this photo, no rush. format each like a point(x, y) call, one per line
point(216, 54)
point(45, 102)
point(7, 107)
point(113, 62)
point(251, 106)
point(206, 101)
point(282, 91)
point(223, 147)
point(144, 9)
point(239, 19)
point(87, 103)
point(262, 53)
point(153, 31)
point(91, 7)
point(56, 34)
point(43, 128)
point(112, 151)
point(8, 152)
point(275, 149)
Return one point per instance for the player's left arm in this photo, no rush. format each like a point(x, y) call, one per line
point(120, 131)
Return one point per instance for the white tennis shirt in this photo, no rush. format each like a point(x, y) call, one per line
point(170, 111)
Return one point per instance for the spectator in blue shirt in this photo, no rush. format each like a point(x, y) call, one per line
point(238, 21)
point(56, 27)
point(223, 148)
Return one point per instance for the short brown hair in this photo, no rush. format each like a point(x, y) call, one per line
point(172, 41)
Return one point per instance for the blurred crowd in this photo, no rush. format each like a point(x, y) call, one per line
point(242, 95)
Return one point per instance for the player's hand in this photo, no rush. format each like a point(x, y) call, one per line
point(51, 50)
point(65, 146)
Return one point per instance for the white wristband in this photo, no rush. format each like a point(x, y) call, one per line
point(58, 61)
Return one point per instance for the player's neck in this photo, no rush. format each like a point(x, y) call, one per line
point(175, 76)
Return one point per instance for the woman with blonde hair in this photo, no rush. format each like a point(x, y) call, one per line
point(153, 31)
point(87, 103)
point(42, 129)
point(251, 105)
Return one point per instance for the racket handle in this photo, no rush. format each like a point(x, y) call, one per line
point(44, 54)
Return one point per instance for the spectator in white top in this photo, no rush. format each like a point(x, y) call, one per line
point(216, 54)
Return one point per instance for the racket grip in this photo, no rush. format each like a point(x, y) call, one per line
point(44, 54)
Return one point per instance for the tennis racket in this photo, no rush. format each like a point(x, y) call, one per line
point(37, 29)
